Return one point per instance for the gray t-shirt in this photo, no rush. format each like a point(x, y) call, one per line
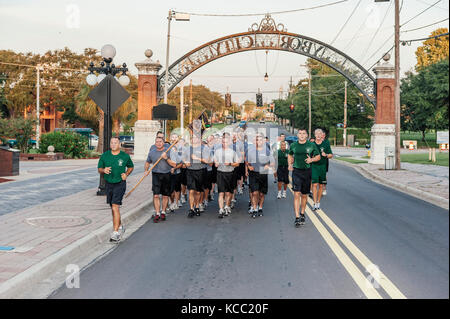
point(259, 158)
point(238, 147)
point(209, 168)
point(222, 156)
point(176, 156)
point(201, 151)
point(154, 155)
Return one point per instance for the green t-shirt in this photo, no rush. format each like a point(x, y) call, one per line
point(118, 163)
point(283, 158)
point(301, 152)
point(325, 147)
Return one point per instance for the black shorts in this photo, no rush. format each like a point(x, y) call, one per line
point(208, 180)
point(195, 179)
point(283, 175)
point(301, 180)
point(115, 192)
point(161, 184)
point(258, 182)
point(241, 170)
point(175, 183)
point(225, 182)
point(214, 175)
point(183, 176)
point(235, 177)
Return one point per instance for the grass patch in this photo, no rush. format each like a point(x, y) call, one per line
point(422, 158)
point(350, 160)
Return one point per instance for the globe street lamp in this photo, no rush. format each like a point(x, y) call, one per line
point(108, 53)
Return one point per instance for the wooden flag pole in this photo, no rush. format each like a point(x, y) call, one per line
point(145, 175)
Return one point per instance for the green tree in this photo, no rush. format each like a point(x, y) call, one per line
point(424, 98)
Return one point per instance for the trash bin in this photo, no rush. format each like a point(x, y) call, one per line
point(9, 158)
point(389, 157)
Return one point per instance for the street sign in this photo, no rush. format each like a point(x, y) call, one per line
point(118, 94)
point(164, 112)
point(442, 137)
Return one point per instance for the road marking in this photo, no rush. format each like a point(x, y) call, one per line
point(345, 260)
point(384, 282)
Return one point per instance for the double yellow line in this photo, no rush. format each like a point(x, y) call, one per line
point(368, 284)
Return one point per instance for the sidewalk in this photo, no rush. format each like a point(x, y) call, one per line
point(427, 182)
point(49, 236)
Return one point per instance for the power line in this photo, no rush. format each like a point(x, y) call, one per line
point(260, 14)
point(404, 42)
point(420, 13)
point(348, 19)
point(425, 26)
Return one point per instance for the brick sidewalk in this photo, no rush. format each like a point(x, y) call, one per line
point(40, 231)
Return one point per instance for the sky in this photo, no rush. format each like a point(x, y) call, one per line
point(133, 26)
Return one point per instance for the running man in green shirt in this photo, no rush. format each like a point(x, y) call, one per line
point(116, 166)
point(301, 155)
point(319, 169)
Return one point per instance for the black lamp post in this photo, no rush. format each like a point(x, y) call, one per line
point(106, 68)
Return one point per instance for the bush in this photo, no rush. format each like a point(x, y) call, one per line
point(73, 145)
point(19, 129)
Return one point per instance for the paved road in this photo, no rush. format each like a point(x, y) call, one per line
point(21, 194)
point(361, 222)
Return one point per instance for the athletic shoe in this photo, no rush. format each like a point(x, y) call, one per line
point(279, 195)
point(163, 217)
point(212, 196)
point(227, 211)
point(180, 205)
point(297, 222)
point(201, 208)
point(283, 195)
point(221, 213)
point(155, 218)
point(191, 213)
point(302, 219)
point(260, 212)
point(121, 229)
point(197, 211)
point(205, 204)
point(233, 202)
point(240, 192)
point(183, 199)
point(324, 193)
point(254, 213)
point(317, 206)
point(115, 236)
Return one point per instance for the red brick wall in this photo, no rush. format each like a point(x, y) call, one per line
point(385, 113)
point(147, 96)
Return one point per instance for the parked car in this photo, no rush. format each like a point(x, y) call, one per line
point(13, 143)
point(291, 139)
point(126, 141)
point(262, 122)
point(93, 141)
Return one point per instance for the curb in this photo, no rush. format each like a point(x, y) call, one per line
point(428, 197)
point(27, 279)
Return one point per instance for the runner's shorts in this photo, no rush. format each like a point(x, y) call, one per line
point(208, 179)
point(258, 182)
point(214, 175)
point(195, 179)
point(283, 174)
point(115, 192)
point(175, 182)
point(161, 184)
point(241, 170)
point(319, 174)
point(225, 182)
point(183, 176)
point(301, 180)
point(235, 176)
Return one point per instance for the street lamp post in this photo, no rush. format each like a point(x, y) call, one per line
point(108, 52)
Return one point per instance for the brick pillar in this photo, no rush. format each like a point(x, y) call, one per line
point(383, 131)
point(145, 128)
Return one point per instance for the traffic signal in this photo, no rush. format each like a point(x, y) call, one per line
point(361, 108)
point(228, 100)
point(259, 99)
point(291, 107)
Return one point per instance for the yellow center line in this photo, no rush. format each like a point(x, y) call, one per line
point(381, 278)
point(345, 260)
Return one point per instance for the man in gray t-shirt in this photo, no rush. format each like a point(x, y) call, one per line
point(226, 160)
point(160, 176)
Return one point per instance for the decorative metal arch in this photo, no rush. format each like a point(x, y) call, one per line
point(270, 36)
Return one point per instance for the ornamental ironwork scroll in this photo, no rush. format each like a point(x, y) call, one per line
point(269, 36)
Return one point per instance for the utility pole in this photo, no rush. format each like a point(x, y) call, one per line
point(182, 108)
point(190, 102)
point(309, 103)
point(397, 85)
point(345, 115)
point(38, 112)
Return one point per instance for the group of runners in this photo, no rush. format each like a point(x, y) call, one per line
point(194, 171)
